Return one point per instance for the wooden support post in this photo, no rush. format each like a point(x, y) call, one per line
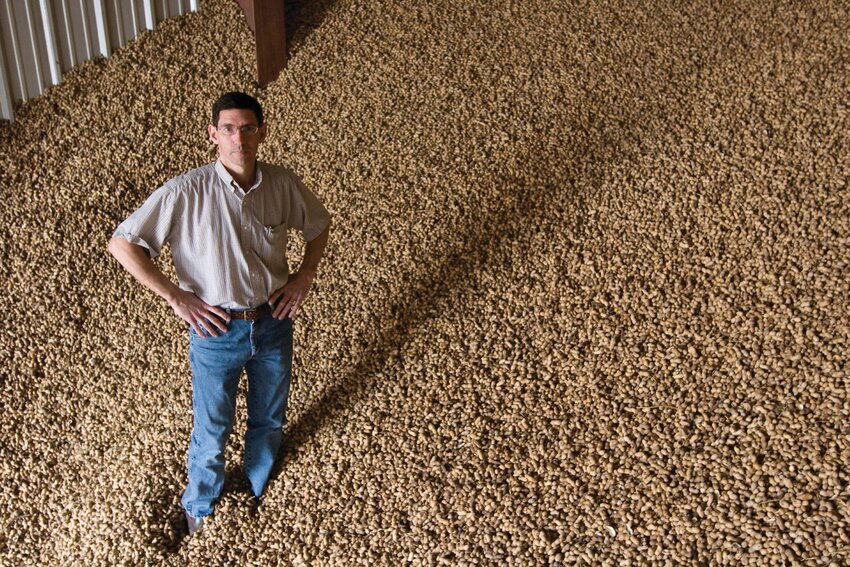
point(266, 20)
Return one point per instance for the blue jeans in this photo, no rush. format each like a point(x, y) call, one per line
point(264, 349)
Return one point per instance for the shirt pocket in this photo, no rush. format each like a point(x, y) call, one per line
point(272, 249)
point(275, 235)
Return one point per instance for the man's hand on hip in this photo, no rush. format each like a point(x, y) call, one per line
point(204, 318)
point(286, 300)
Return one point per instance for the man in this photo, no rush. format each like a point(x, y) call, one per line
point(227, 223)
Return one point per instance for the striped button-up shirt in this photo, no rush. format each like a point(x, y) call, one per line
point(228, 245)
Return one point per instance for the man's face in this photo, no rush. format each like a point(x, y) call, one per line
point(238, 149)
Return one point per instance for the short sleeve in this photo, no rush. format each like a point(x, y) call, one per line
point(151, 224)
point(306, 212)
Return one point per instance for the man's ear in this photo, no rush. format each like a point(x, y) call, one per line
point(261, 133)
point(213, 133)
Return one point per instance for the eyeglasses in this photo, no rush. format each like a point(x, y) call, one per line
point(230, 129)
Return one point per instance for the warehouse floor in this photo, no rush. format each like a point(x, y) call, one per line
point(586, 297)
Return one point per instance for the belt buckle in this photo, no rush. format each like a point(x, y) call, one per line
point(241, 315)
point(249, 314)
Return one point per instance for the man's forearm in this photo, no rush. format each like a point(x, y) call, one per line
point(135, 260)
point(205, 319)
point(313, 252)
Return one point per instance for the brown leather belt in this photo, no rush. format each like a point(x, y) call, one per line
point(252, 314)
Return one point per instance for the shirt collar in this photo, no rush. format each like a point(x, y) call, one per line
point(225, 176)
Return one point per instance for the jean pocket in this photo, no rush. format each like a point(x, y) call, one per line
point(194, 335)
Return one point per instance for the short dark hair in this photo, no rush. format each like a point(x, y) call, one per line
point(237, 99)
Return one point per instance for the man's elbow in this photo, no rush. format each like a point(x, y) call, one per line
point(327, 229)
point(114, 245)
point(121, 248)
point(322, 235)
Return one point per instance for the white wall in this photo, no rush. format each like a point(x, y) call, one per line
point(42, 39)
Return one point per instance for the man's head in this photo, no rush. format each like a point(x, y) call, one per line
point(237, 129)
point(239, 101)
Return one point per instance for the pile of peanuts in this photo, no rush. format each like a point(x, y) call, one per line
point(585, 300)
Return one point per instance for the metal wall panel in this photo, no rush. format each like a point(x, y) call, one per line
point(42, 39)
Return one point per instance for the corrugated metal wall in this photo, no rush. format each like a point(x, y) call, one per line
point(42, 39)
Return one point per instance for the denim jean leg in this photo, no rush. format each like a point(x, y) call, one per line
point(269, 373)
point(217, 363)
